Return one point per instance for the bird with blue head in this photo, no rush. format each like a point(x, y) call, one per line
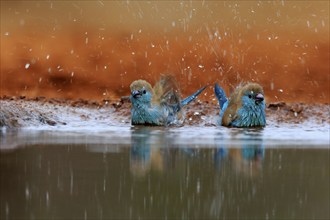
point(160, 105)
point(244, 108)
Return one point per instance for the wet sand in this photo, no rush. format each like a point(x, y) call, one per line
point(33, 112)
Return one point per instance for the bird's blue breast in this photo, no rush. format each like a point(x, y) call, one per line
point(152, 115)
point(250, 116)
point(146, 116)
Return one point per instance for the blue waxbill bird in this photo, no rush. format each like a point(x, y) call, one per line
point(244, 108)
point(160, 105)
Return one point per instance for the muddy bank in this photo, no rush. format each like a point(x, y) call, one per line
point(291, 68)
point(18, 112)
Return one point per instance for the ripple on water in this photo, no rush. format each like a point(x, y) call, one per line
point(270, 136)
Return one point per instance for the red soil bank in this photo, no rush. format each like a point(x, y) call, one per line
point(94, 64)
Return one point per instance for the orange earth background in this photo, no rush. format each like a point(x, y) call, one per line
point(95, 49)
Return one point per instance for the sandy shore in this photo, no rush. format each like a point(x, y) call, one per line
point(26, 112)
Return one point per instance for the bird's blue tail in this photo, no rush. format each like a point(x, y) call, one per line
point(220, 94)
point(192, 97)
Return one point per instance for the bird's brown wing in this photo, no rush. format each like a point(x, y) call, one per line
point(166, 91)
point(233, 106)
point(230, 114)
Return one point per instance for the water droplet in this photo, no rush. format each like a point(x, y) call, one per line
point(198, 187)
point(7, 210)
point(47, 198)
point(323, 23)
point(27, 193)
point(22, 22)
point(27, 66)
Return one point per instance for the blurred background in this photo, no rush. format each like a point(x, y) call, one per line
point(95, 49)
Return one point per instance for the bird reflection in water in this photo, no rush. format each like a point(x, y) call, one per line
point(153, 150)
point(246, 157)
point(146, 151)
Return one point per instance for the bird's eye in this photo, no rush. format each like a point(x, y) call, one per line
point(144, 91)
point(250, 96)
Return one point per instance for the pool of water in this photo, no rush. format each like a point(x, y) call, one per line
point(128, 172)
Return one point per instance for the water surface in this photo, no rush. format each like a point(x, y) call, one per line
point(132, 173)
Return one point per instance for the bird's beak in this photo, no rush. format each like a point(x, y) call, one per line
point(136, 94)
point(259, 98)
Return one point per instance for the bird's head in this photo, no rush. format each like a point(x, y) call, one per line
point(252, 94)
point(141, 91)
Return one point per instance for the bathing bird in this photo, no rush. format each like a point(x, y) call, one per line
point(160, 105)
point(244, 108)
